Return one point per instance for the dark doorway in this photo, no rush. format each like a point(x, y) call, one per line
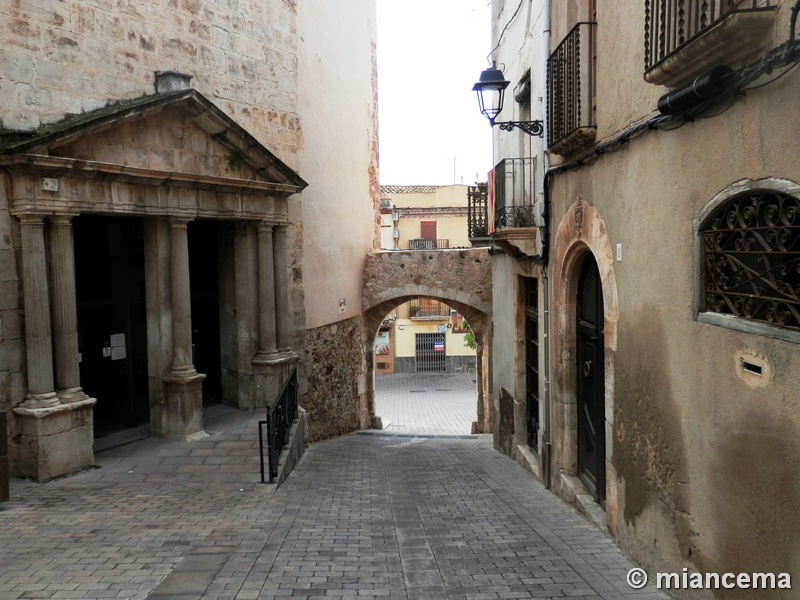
point(591, 381)
point(204, 283)
point(532, 360)
point(112, 321)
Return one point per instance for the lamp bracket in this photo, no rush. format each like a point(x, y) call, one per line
point(534, 128)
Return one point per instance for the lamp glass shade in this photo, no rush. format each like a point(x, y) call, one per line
point(491, 88)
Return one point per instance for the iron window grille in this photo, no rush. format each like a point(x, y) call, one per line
point(514, 193)
point(671, 25)
point(570, 85)
point(752, 259)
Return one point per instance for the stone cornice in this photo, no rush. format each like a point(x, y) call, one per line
point(52, 166)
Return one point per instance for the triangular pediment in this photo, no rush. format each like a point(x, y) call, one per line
point(178, 132)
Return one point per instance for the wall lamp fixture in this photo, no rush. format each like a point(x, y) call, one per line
point(491, 88)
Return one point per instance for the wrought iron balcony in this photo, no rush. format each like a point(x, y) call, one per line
point(570, 92)
point(514, 193)
point(477, 212)
point(423, 244)
point(729, 30)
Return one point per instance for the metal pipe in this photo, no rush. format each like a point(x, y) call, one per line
point(546, 441)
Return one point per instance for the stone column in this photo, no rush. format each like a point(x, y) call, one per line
point(184, 392)
point(281, 290)
point(38, 340)
point(266, 292)
point(65, 313)
point(180, 298)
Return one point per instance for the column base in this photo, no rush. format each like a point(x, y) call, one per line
point(184, 395)
point(54, 441)
point(46, 400)
point(70, 395)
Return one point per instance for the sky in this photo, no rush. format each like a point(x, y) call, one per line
point(430, 53)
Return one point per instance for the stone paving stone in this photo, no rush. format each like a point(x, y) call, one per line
point(378, 515)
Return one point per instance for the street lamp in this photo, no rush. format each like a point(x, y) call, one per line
point(491, 88)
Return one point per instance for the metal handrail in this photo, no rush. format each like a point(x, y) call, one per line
point(280, 417)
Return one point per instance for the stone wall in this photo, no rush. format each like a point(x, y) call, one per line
point(71, 56)
point(458, 277)
point(335, 397)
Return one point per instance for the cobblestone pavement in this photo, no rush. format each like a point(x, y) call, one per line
point(365, 515)
point(429, 403)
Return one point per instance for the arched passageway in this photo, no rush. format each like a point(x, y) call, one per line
point(460, 279)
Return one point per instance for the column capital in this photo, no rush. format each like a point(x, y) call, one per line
point(62, 219)
point(32, 219)
point(266, 226)
point(179, 221)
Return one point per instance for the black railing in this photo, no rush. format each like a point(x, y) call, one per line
point(514, 194)
point(514, 216)
point(478, 211)
point(423, 244)
point(280, 417)
point(570, 84)
point(669, 25)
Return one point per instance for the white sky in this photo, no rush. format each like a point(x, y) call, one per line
point(430, 53)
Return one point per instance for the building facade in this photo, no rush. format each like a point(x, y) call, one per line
point(662, 312)
point(161, 248)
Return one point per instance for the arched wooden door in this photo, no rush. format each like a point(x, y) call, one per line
point(591, 381)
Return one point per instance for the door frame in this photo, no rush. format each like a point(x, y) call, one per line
point(580, 231)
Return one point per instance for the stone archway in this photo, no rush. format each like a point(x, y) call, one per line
point(461, 279)
point(580, 233)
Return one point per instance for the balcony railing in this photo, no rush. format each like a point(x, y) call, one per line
point(478, 211)
point(423, 244)
point(570, 90)
point(423, 308)
point(514, 194)
point(671, 25)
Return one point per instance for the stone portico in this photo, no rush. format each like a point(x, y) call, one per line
point(168, 159)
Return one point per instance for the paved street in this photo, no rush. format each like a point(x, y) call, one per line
point(427, 403)
point(366, 515)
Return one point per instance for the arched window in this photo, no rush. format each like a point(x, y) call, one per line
point(751, 252)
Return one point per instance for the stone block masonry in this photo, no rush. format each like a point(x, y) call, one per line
point(336, 398)
point(238, 53)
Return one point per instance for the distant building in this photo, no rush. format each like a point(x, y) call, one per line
point(426, 334)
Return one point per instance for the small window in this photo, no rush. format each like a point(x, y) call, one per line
point(751, 259)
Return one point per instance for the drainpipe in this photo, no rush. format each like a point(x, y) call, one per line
point(546, 430)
